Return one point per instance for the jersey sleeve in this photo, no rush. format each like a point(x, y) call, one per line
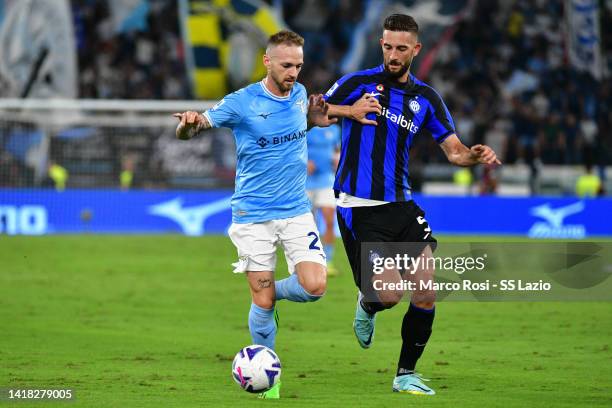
point(439, 123)
point(227, 112)
point(345, 91)
point(302, 92)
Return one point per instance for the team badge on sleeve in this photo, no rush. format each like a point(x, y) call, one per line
point(332, 90)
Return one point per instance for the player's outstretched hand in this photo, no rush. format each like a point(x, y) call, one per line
point(364, 105)
point(190, 124)
point(317, 112)
point(484, 154)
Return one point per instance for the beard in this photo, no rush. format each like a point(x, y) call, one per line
point(398, 74)
point(282, 85)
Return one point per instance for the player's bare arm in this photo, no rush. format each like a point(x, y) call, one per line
point(358, 111)
point(191, 123)
point(460, 155)
point(318, 112)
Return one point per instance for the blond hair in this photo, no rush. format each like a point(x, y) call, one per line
point(285, 37)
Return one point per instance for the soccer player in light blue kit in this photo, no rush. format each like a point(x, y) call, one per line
point(270, 207)
point(323, 156)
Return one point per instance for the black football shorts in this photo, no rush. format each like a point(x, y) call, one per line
point(397, 226)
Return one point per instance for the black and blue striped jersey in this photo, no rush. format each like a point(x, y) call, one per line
point(374, 159)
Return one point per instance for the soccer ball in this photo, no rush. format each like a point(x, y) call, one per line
point(256, 368)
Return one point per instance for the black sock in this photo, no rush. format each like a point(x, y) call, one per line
point(416, 329)
point(372, 307)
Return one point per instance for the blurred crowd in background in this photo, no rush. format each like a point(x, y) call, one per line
point(507, 82)
point(504, 74)
point(150, 64)
point(502, 68)
point(131, 64)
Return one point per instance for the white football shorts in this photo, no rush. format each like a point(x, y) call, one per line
point(257, 242)
point(322, 197)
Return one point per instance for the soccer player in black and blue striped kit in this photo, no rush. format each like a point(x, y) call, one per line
point(373, 187)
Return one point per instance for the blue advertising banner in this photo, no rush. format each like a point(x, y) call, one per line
point(37, 212)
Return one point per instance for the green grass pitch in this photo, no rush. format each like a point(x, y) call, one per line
point(132, 321)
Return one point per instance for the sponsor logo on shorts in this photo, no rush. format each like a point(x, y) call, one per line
point(374, 256)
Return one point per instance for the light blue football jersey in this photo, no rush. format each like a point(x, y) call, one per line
point(270, 134)
point(322, 145)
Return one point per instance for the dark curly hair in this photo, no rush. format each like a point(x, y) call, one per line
point(401, 22)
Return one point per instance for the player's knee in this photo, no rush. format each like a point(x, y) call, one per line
point(313, 281)
point(390, 302)
point(424, 305)
point(315, 287)
point(424, 299)
point(380, 305)
point(390, 299)
point(264, 301)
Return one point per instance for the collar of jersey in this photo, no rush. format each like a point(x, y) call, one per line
point(278, 98)
point(406, 85)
